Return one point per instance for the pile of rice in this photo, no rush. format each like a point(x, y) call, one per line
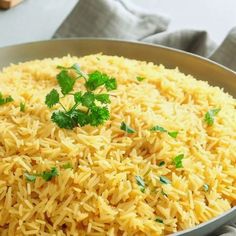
point(100, 195)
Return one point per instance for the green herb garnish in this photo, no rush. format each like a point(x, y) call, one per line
point(5, 100)
point(209, 116)
point(97, 79)
point(140, 183)
point(67, 166)
point(164, 180)
point(206, 187)
point(127, 128)
point(173, 134)
point(95, 111)
point(22, 107)
point(46, 175)
point(140, 78)
point(162, 163)
point(52, 98)
point(178, 161)
point(30, 177)
point(158, 128)
point(159, 220)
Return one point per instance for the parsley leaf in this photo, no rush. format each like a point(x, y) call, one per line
point(209, 116)
point(140, 183)
point(22, 107)
point(111, 84)
point(30, 177)
point(126, 128)
point(5, 100)
point(164, 180)
point(178, 161)
point(206, 187)
point(63, 119)
point(48, 175)
point(158, 128)
point(159, 220)
point(173, 134)
point(88, 99)
point(67, 166)
point(139, 78)
point(95, 80)
point(52, 98)
point(78, 97)
point(79, 117)
point(66, 82)
point(98, 115)
point(103, 98)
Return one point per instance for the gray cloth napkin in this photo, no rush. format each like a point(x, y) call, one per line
point(120, 19)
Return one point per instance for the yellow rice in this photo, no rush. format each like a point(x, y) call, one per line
point(100, 196)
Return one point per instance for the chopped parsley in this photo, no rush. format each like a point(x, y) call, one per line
point(164, 180)
point(5, 100)
point(140, 183)
point(178, 161)
point(30, 177)
point(206, 187)
point(95, 111)
point(126, 128)
point(209, 116)
point(67, 166)
point(46, 175)
point(22, 107)
point(158, 128)
point(172, 134)
point(162, 163)
point(159, 220)
point(139, 78)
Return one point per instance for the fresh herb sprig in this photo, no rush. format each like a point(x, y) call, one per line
point(95, 111)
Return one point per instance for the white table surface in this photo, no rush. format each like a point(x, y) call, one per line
point(35, 20)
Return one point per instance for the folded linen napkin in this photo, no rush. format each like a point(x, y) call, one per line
point(119, 19)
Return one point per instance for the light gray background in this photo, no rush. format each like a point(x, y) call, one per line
point(35, 20)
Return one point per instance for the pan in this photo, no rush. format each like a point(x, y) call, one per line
point(200, 68)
